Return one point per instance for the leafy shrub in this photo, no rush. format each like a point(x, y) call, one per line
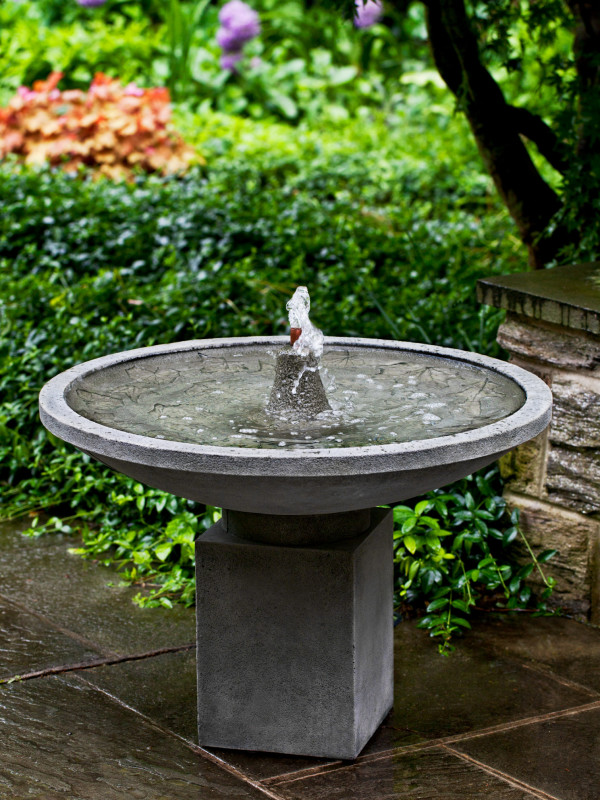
point(57, 12)
point(453, 549)
point(158, 558)
point(112, 128)
point(32, 48)
point(388, 246)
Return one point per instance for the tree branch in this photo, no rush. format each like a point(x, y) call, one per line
point(530, 200)
point(586, 48)
point(537, 131)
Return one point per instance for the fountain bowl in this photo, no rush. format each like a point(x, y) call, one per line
point(284, 481)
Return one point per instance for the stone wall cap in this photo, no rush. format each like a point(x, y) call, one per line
point(567, 296)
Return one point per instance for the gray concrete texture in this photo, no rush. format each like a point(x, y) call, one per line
point(296, 529)
point(297, 387)
point(294, 643)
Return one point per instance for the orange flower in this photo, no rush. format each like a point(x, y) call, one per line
point(110, 128)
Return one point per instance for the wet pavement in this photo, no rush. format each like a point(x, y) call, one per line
point(98, 702)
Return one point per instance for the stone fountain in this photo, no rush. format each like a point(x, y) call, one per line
point(299, 444)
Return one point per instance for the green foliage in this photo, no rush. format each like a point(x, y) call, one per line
point(58, 12)
point(310, 63)
point(453, 548)
point(159, 558)
point(532, 45)
point(306, 62)
point(31, 49)
point(182, 21)
point(388, 247)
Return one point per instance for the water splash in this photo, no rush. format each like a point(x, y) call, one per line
point(305, 368)
point(310, 341)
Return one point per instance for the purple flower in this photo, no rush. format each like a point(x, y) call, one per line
point(239, 24)
point(368, 13)
point(239, 17)
point(231, 41)
point(229, 61)
point(91, 3)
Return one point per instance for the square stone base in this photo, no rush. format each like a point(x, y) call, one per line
point(295, 648)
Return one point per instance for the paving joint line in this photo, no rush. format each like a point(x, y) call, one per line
point(307, 772)
point(302, 773)
point(520, 723)
point(99, 662)
point(195, 748)
point(547, 671)
point(534, 665)
point(66, 631)
point(503, 776)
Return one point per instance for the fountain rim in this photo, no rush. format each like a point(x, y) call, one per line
point(97, 439)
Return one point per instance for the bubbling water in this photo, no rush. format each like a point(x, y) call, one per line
point(310, 341)
point(297, 388)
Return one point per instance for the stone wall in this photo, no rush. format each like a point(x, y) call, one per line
point(555, 478)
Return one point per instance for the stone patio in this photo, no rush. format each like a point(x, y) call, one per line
point(98, 700)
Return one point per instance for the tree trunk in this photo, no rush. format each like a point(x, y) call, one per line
point(530, 200)
point(587, 60)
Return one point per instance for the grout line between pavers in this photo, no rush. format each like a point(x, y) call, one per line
point(297, 775)
point(548, 672)
point(195, 748)
point(99, 662)
point(337, 766)
point(503, 776)
point(520, 723)
point(304, 772)
point(539, 667)
point(71, 634)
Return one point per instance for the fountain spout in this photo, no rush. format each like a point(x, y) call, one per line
point(298, 388)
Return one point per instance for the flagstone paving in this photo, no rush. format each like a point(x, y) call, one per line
point(98, 701)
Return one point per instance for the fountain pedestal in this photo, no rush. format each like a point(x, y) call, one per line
point(295, 650)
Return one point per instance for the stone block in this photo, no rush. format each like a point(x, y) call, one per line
point(523, 467)
point(295, 646)
point(568, 296)
point(547, 526)
point(549, 344)
point(576, 410)
point(573, 478)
